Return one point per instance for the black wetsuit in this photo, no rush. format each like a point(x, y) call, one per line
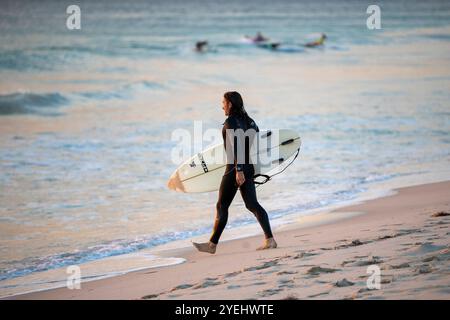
point(228, 186)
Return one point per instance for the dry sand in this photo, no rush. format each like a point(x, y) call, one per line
point(403, 235)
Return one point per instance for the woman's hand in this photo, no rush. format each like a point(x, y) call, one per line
point(240, 178)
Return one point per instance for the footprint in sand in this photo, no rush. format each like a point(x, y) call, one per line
point(346, 262)
point(233, 286)
point(269, 292)
point(305, 265)
point(182, 286)
point(150, 296)
point(364, 290)
point(321, 281)
point(270, 271)
point(231, 274)
point(403, 232)
point(362, 263)
point(317, 270)
point(265, 265)
point(304, 254)
point(424, 249)
point(429, 259)
point(386, 279)
point(207, 283)
point(424, 269)
point(343, 283)
point(286, 272)
point(354, 243)
point(286, 283)
point(386, 237)
point(318, 294)
point(398, 266)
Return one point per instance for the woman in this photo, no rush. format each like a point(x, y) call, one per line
point(237, 175)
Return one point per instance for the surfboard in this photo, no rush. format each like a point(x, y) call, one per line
point(265, 44)
point(203, 172)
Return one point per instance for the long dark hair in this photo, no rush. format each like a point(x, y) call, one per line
point(237, 104)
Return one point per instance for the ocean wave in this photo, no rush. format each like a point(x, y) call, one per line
point(92, 253)
point(442, 37)
point(47, 58)
point(31, 103)
point(47, 104)
point(21, 60)
point(123, 92)
point(119, 49)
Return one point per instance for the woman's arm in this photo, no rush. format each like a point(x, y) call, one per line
point(230, 139)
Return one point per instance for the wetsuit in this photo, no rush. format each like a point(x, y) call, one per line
point(228, 186)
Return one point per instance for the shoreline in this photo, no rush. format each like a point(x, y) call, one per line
point(174, 251)
point(236, 262)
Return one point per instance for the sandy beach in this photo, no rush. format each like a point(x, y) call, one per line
point(405, 235)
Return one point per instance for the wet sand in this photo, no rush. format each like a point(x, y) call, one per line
point(405, 237)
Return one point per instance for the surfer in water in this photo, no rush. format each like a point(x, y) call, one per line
point(317, 43)
point(259, 37)
point(262, 41)
point(237, 176)
point(201, 46)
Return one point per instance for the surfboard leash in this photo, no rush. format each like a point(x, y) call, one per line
point(267, 177)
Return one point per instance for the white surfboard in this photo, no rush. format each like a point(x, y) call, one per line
point(203, 172)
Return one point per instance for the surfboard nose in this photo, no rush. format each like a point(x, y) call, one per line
point(174, 183)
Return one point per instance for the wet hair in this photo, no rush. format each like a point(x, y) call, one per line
point(237, 104)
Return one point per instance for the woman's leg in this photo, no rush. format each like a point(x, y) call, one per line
point(227, 191)
point(248, 192)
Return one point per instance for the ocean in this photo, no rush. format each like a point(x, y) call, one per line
point(87, 117)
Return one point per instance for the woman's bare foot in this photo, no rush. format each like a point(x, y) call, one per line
point(205, 247)
point(268, 244)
